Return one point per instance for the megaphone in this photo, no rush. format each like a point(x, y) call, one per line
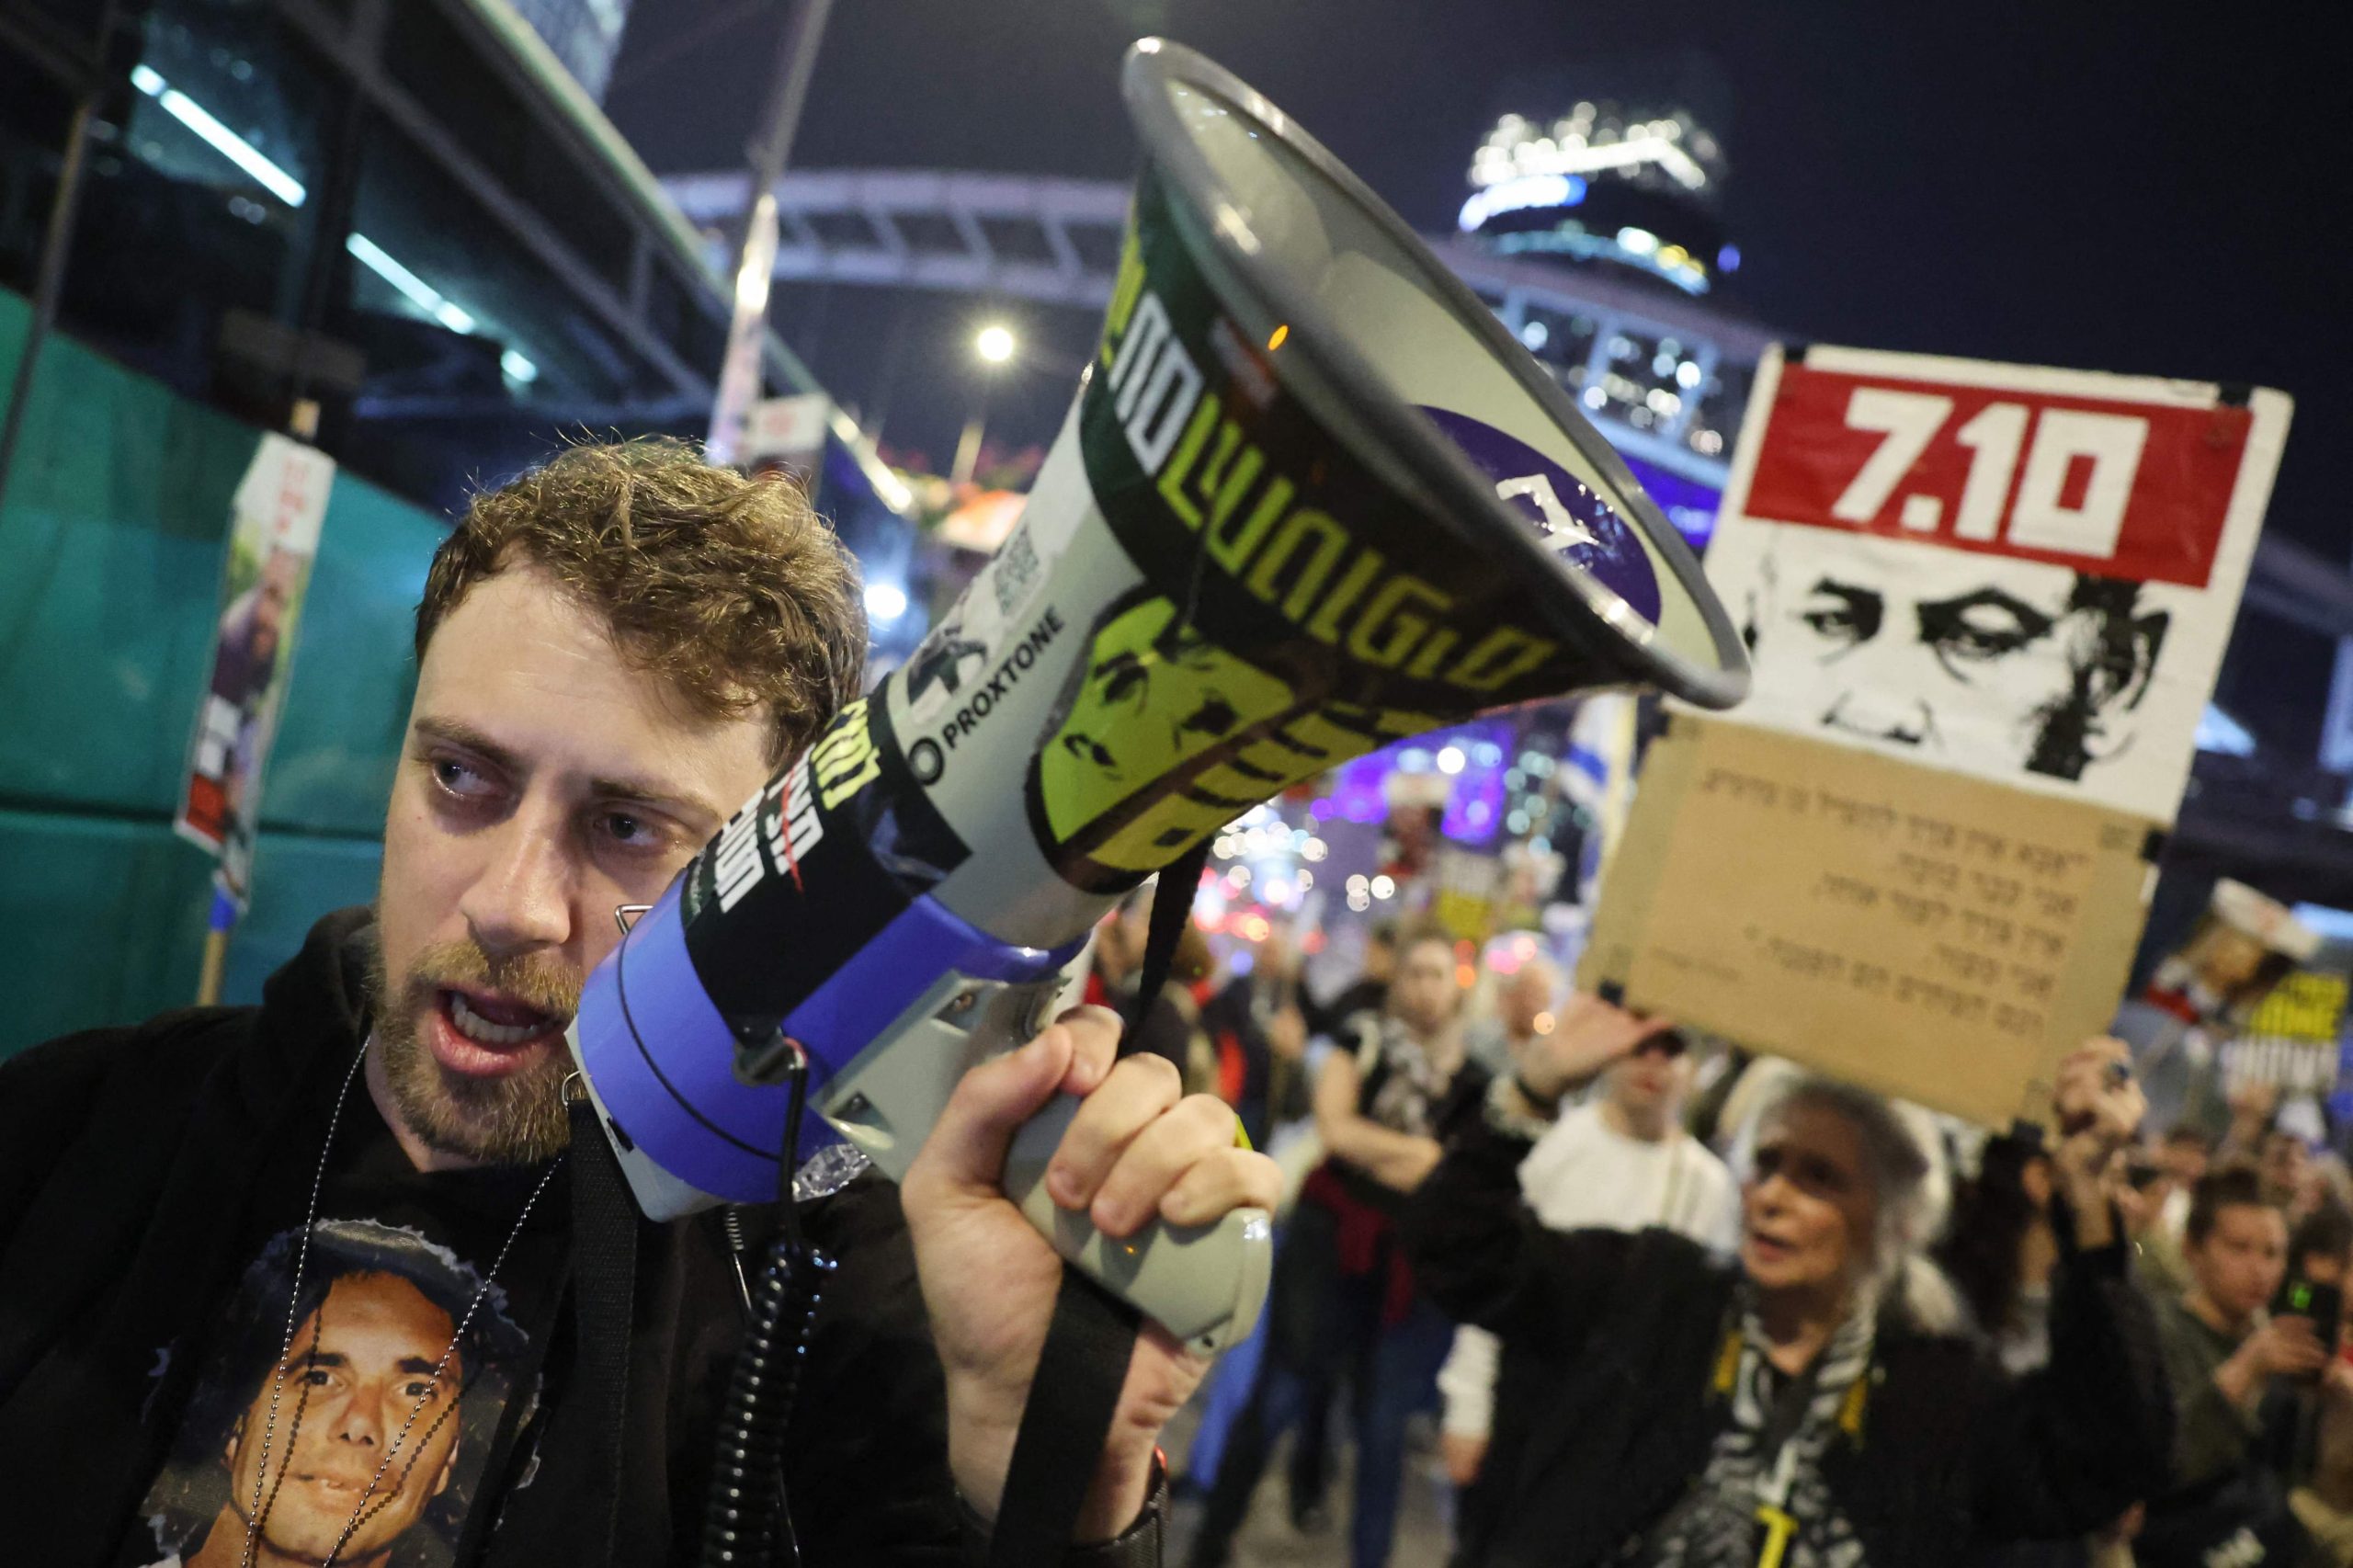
point(1311, 498)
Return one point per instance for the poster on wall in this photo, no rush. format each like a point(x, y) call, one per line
point(273, 538)
point(2020, 573)
point(787, 435)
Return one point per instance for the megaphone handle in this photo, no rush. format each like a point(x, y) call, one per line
point(1204, 1283)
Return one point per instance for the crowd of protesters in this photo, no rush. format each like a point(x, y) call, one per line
point(1638, 1299)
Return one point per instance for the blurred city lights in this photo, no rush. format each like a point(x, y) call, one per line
point(419, 292)
point(222, 140)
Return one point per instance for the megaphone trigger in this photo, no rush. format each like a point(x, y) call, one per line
point(1204, 1283)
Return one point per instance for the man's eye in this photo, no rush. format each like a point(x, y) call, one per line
point(1837, 621)
point(456, 778)
point(420, 1387)
point(631, 831)
point(1986, 635)
point(1842, 612)
point(316, 1378)
point(1985, 625)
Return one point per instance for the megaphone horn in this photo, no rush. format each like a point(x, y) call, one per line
point(1312, 498)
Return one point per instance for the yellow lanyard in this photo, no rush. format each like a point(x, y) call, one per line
point(1780, 1525)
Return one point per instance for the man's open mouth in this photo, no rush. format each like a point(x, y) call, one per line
point(497, 1021)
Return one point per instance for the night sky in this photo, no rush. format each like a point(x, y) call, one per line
point(2054, 183)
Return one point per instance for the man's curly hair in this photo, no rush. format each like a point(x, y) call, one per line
point(731, 589)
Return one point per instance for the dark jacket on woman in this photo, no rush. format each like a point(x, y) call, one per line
point(1605, 1408)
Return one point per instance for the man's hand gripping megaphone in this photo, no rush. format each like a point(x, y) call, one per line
point(1135, 1147)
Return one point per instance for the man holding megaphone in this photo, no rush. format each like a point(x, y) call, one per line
point(613, 651)
point(1311, 498)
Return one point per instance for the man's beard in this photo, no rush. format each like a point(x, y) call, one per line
point(516, 1120)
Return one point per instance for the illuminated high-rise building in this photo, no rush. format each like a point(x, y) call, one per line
point(1605, 187)
point(1597, 237)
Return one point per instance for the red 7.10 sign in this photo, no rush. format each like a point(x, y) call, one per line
point(2115, 488)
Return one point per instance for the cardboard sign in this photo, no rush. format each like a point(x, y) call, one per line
point(273, 537)
point(2021, 574)
point(1913, 930)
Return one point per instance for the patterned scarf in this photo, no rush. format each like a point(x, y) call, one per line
point(1405, 1083)
point(1754, 1509)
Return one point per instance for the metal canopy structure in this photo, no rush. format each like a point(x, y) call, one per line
point(1022, 236)
point(1056, 242)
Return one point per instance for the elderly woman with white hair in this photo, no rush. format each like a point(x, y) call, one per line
point(1798, 1406)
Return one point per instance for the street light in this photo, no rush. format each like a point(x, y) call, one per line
point(994, 345)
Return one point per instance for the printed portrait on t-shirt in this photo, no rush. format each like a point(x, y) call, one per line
point(368, 1443)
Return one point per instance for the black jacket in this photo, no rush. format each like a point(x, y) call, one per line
point(128, 1161)
point(1605, 1409)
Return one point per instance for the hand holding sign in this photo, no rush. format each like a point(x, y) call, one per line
point(1587, 1036)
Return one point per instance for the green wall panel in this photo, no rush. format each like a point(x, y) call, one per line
point(111, 537)
point(108, 916)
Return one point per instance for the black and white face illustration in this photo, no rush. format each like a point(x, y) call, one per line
point(1964, 660)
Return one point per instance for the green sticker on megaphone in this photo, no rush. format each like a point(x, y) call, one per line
point(1298, 610)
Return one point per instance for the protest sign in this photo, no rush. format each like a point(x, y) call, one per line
point(2020, 573)
point(2293, 1038)
point(273, 536)
point(1910, 930)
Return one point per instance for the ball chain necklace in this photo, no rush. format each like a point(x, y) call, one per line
point(258, 1513)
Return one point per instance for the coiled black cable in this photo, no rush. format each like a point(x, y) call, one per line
point(745, 1519)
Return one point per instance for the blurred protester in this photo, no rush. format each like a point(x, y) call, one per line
point(2320, 1249)
point(1524, 1003)
point(2221, 1352)
point(1365, 994)
point(1344, 1306)
point(2002, 1249)
point(2283, 1164)
point(1115, 962)
point(1621, 1162)
point(1253, 1025)
point(1165, 1025)
point(2328, 1183)
point(2143, 1189)
point(1260, 1037)
point(2184, 1152)
point(2320, 1472)
point(2252, 1105)
point(1814, 1404)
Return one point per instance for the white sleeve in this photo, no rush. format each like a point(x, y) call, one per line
point(1467, 1382)
point(1719, 1224)
point(1709, 1207)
